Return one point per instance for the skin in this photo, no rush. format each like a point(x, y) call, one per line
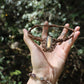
point(49, 65)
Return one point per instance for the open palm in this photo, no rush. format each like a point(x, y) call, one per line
point(50, 63)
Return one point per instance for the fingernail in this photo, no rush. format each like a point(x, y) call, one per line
point(70, 41)
point(67, 24)
point(46, 22)
point(63, 34)
point(77, 28)
point(24, 30)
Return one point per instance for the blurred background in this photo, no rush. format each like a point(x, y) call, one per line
point(15, 56)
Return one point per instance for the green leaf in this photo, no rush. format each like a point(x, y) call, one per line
point(1, 68)
point(1, 59)
point(80, 51)
point(16, 72)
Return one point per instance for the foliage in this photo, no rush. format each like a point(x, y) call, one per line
point(18, 14)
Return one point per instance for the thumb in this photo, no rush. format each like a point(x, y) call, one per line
point(31, 44)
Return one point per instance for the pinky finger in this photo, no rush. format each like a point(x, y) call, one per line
point(71, 41)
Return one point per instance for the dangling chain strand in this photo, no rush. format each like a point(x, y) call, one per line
point(53, 25)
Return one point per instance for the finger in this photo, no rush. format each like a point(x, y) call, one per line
point(71, 41)
point(45, 30)
point(28, 40)
point(37, 56)
point(76, 29)
point(64, 32)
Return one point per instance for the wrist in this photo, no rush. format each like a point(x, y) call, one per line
point(42, 77)
point(34, 79)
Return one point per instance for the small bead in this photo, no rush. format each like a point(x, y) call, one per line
point(41, 78)
point(33, 75)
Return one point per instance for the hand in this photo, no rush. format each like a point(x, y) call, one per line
point(50, 64)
